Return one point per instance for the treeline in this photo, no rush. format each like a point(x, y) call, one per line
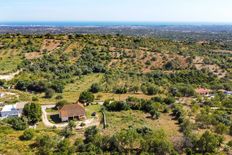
point(153, 106)
point(126, 141)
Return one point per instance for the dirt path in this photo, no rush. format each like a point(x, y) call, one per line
point(87, 122)
point(10, 76)
point(45, 118)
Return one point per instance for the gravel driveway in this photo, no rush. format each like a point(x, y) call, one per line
point(88, 122)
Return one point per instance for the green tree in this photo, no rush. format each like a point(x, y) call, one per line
point(86, 97)
point(90, 134)
point(127, 140)
point(33, 112)
point(221, 128)
point(154, 114)
point(60, 104)
point(134, 89)
point(152, 90)
point(209, 143)
point(63, 147)
point(18, 123)
point(46, 144)
point(157, 143)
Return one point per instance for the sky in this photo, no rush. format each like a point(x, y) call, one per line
point(117, 10)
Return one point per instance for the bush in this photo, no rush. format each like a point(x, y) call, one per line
point(58, 86)
point(1, 82)
point(169, 100)
point(157, 99)
point(154, 114)
point(121, 90)
point(86, 97)
point(149, 89)
point(229, 143)
point(221, 129)
point(46, 144)
point(59, 97)
point(182, 90)
point(209, 143)
point(34, 98)
point(18, 123)
point(95, 88)
point(66, 132)
point(28, 134)
point(116, 106)
point(49, 93)
point(60, 104)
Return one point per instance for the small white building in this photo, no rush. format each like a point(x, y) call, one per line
point(13, 110)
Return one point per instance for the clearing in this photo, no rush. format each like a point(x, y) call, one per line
point(121, 120)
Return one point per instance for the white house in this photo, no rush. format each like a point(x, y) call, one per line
point(13, 110)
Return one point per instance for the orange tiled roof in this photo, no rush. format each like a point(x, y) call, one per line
point(72, 110)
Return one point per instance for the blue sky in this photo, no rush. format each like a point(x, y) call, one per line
point(117, 10)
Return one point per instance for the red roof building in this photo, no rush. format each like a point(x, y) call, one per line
point(202, 91)
point(72, 111)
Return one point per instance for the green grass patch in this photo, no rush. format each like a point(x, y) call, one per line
point(9, 60)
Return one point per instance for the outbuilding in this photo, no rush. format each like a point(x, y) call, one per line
point(13, 110)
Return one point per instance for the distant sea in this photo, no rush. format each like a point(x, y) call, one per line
point(103, 24)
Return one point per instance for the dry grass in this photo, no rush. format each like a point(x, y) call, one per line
point(138, 119)
point(118, 97)
point(33, 55)
point(50, 44)
point(9, 60)
point(73, 90)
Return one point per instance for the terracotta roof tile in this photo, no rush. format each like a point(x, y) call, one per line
point(72, 110)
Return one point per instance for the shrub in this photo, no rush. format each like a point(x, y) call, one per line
point(60, 104)
point(59, 97)
point(157, 99)
point(221, 129)
point(49, 93)
point(34, 98)
point(116, 106)
point(151, 90)
point(95, 88)
point(28, 134)
point(121, 90)
point(86, 97)
point(154, 114)
point(209, 143)
point(1, 82)
point(229, 143)
point(46, 144)
point(169, 100)
point(18, 123)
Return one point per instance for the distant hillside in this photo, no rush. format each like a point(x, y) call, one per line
point(51, 58)
point(170, 31)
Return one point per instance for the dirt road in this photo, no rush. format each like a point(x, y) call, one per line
point(88, 122)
